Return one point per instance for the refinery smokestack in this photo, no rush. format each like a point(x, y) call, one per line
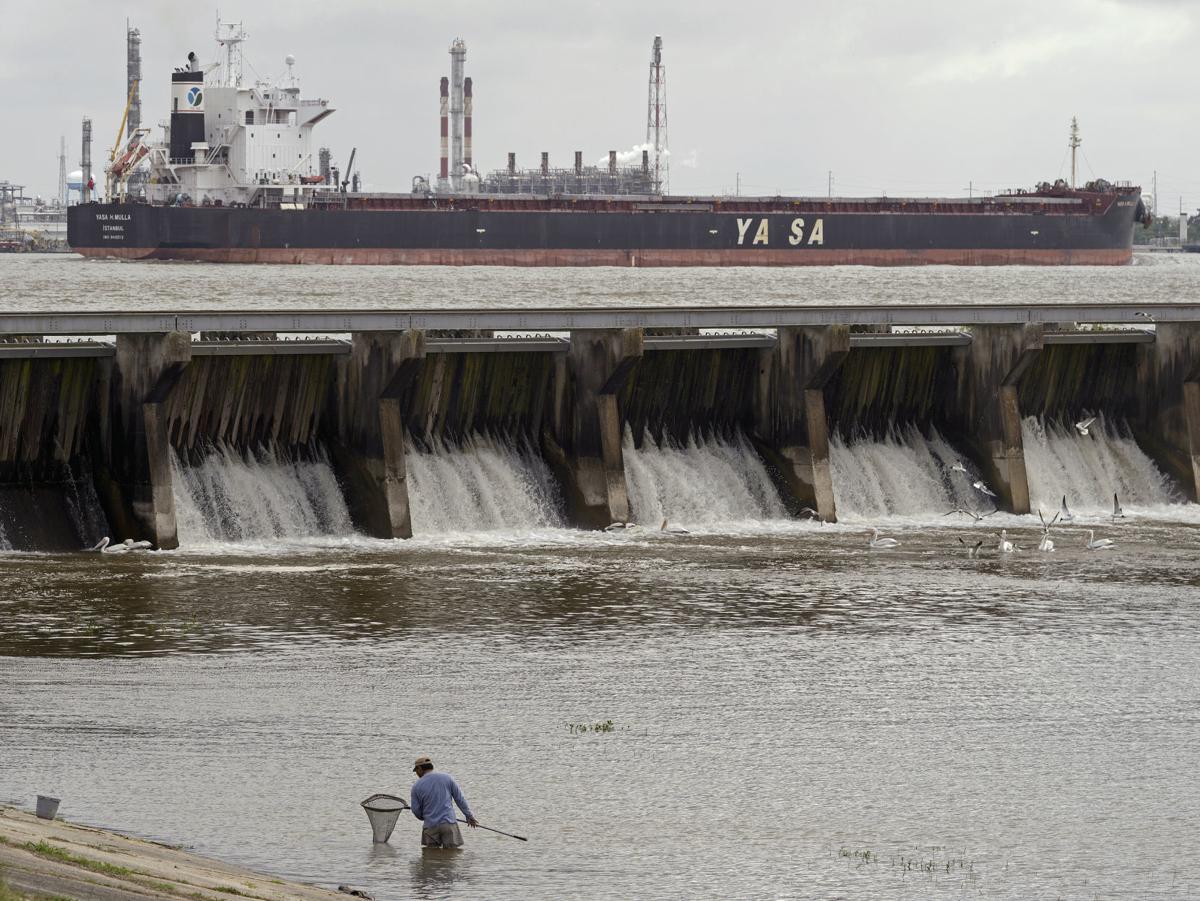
point(443, 183)
point(458, 55)
point(133, 78)
point(612, 162)
point(468, 160)
point(545, 163)
point(512, 163)
point(85, 167)
point(579, 162)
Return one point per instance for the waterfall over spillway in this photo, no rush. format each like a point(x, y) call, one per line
point(703, 481)
point(1089, 468)
point(233, 495)
point(904, 474)
point(483, 485)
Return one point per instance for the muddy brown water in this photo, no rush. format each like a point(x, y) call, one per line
point(792, 714)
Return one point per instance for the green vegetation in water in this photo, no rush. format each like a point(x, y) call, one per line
point(230, 890)
point(864, 856)
point(933, 861)
point(49, 851)
point(581, 728)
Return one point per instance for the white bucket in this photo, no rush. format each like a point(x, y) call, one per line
point(47, 807)
point(383, 811)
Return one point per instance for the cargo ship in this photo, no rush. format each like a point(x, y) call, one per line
point(235, 180)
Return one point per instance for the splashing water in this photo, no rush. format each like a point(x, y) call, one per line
point(1088, 469)
point(259, 495)
point(483, 485)
point(703, 481)
point(903, 474)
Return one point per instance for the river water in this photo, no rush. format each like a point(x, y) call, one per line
point(792, 714)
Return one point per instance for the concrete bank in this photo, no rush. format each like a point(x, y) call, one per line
point(53, 859)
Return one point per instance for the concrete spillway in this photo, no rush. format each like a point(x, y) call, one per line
point(397, 431)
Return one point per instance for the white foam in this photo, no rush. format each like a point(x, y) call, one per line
point(255, 496)
point(1089, 469)
point(905, 474)
point(703, 481)
point(483, 485)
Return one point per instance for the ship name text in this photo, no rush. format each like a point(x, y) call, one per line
point(748, 233)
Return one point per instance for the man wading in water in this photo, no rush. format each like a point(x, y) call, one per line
point(431, 799)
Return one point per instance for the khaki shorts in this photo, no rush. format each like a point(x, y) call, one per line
point(443, 835)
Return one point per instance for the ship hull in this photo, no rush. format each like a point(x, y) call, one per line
point(566, 237)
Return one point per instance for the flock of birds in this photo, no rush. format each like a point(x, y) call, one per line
point(1004, 545)
point(880, 542)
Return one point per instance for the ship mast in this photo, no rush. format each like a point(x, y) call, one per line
point(1074, 143)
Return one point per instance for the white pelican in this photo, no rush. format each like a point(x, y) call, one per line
point(1084, 424)
point(956, 466)
point(984, 488)
point(972, 549)
point(1005, 546)
point(876, 542)
point(674, 530)
point(1118, 513)
point(123, 548)
point(1064, 513)
point(1046, 544)
point(1098, 544)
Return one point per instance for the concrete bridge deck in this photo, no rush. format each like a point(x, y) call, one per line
point(570, 319)
point(273, 346)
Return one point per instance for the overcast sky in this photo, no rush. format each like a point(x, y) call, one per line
point(921, 97)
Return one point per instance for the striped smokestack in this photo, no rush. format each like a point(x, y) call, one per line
point(444, 172)
point(467, 157)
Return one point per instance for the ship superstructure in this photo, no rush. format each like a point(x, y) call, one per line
point(229, 142)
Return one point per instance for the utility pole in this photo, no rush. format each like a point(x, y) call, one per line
point(1154, 196)
point(830, 184)
point(1074, 143)
point(737, 190)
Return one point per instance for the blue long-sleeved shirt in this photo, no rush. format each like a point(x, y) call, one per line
point(431, 797)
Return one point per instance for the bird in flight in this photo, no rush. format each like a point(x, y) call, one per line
point(979, 486)
point(1084, 424)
